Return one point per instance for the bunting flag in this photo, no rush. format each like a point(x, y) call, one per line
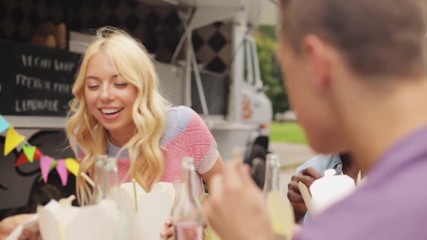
point(72, 166)
point(61, 168)
point(4, 125)
point(45, 164)
point(37, 154)
point(21, 160)
point(31, 153)
point(13, 139)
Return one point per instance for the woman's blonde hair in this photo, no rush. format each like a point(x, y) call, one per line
point(148, 112)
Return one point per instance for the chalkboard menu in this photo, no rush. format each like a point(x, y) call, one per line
point(34, 80)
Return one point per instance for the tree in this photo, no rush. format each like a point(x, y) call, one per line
point(267, 45)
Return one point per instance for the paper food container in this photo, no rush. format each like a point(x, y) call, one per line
point(131, 194)
point(59, 222)
point(330, 189)
point(146, 213)
point(326, 191)
point(127, 217)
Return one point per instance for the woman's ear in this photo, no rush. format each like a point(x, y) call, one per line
point(318, 59)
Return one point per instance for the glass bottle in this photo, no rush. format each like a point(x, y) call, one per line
point(188, 217)
point(278, 206)
point(106, 178)
point(272, 174)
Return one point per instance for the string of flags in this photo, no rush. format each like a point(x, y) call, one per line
point(31, 153)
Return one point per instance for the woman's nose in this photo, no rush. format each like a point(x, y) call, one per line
point(106, 93)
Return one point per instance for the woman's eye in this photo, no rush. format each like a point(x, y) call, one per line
point(120, 85)
point(93, 87)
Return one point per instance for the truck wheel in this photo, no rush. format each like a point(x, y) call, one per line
point(258, 157)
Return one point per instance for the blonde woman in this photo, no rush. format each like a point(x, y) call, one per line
point(118, 111)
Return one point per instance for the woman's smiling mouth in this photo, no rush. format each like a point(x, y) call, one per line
point(110, 111)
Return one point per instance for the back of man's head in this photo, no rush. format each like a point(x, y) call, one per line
point(376, 37)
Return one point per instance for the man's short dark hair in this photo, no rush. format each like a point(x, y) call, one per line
point(376, 37)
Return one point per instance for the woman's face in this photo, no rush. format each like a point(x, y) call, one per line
point(109, 97)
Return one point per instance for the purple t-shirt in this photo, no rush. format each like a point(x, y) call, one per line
point(391, 205)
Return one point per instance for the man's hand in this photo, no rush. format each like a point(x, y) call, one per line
point(236, 208)
point(306, 176)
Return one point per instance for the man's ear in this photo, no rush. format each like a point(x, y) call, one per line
point(317, 56)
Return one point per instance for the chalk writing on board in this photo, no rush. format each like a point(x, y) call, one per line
point(36, 105)
point(37, 81)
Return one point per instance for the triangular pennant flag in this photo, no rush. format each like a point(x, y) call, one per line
point(29, 152)
point(45, 163)
point(13, 139)
point(37, 155)
point(55, 162)
point(72, 166)
point(21, 160)
point(4, 125)
point(62, 171)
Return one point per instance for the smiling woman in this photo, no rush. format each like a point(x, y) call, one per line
point(118, 111)
point(109, 98)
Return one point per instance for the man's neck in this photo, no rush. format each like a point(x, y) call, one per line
point(373, 128)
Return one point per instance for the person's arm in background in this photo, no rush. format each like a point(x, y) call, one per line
point(8, 224)
point(316, 165)
point(216, 169)
point(306, 176)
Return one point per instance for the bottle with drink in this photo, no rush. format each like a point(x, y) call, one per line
point(106, 178)
point(272, 174)
point(188, 217)
point(279, 208)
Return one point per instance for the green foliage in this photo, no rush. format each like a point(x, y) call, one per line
point(290, 132)
point(266, 40)
point(268, 31)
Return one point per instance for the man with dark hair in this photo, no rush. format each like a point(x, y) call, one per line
point(355, 72)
